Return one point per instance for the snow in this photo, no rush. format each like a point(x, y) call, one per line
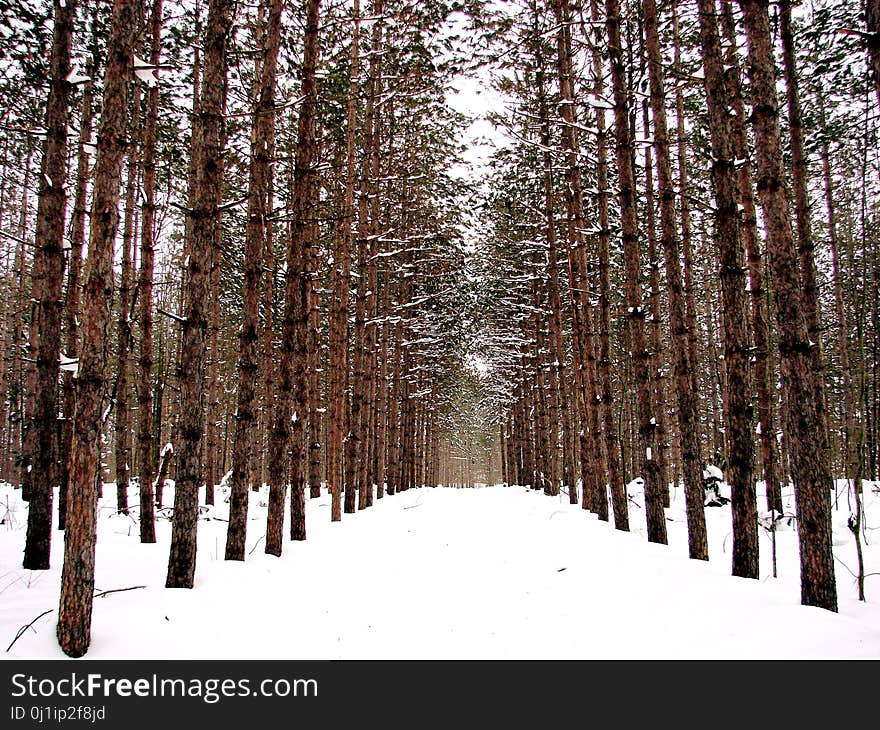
point(75, 77)
point(68, 364)
point(145, 72)
point(444, 573)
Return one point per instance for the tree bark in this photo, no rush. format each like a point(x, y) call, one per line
point(48, 278)
point(757, 289)
point(294, 298)
point(255, 240)
point(146, 439)
point(78, 573)
point(647, 444)
point(655, 330)
point(122, 446)
point(800, 177)
point(74, 270)
point(737, 394)
point(208, 133)
point(686, 397)
point(612, 445)
point(595, 494)
point(803, 414)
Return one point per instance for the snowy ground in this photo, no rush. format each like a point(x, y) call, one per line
point(494, 572)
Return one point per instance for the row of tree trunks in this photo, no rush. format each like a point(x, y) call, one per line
point(593, 471)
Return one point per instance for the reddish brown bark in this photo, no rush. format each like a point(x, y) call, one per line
point(656, 322)
point(78, 573)
point(686, 397)
point(48, 279)
point(612, 446)
point(757, 290)
point(122, 385)
point(803, 413)
point(737, 393)
point(645, 460)
point(146, 441)
point(800, 177)
point(208, 133)
point(255, 240)
point(291, 389)
point(74, 269)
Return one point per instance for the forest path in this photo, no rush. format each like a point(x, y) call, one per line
point(494, 572)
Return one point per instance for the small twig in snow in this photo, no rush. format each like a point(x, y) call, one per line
point(117, 590)
point(26, 627)
point(262, 537)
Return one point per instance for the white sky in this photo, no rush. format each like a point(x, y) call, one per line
point(476, 98)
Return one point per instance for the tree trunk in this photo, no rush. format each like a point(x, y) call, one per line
point(612, 445)
point(803, 415)
point(213, 386)
point(800, 176)
point(757, 289)
point(146, 440)
point(17, 346)
point(656, 334)
point(592, 469)
point(647, 442)
point(295, 301)
point(78, 573)
point(122, 385)
point(47, 292)
point(74, 270)
point(255, 240)
point(208, 126)
point(686, 396)
point(738, 416)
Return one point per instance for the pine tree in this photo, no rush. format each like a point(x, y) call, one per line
point(145, 437)
point(255, 240)
point(647, 445)
point(686, 397)
point(78, 573)
point(295, 300)
point(48, 277)
point(803, 414)
point(205, 197)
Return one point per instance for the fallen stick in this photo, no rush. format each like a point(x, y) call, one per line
point(97, 595)
point(117, 590)
point(26, 627)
